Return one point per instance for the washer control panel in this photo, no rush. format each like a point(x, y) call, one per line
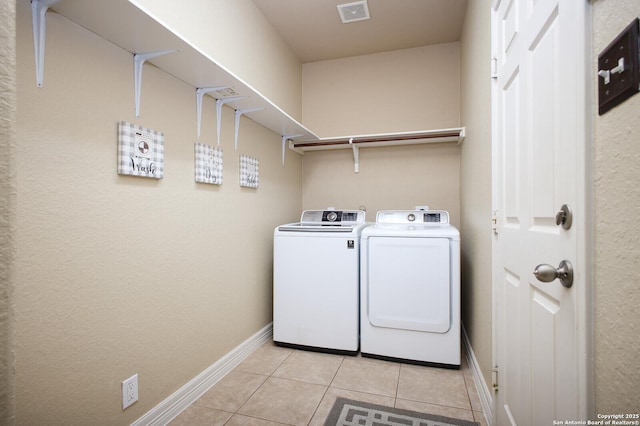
point(333, 217)
point(437, 217)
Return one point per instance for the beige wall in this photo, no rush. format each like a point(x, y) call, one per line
point(617, 231)
point(236, 35)
point(395, 91)
point(119, 275)
point(7, 207)
point(475, 183)
point(390, 178)
point(398, 91)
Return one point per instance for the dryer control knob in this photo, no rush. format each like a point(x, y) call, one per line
point(411, 217)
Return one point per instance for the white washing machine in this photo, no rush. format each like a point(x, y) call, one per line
point(316, 280)
point(410, 288)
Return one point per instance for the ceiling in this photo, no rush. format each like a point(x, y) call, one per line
point(314, 31)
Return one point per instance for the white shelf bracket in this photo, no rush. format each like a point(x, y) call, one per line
point(39, 21)
point(239, 113)
point(356, 156)
point(292, 147)
point(138, 61)
point(200, 92)
point(219, 103)
point(285, 138)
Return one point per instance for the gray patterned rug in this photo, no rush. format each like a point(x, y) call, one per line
point(346, 412)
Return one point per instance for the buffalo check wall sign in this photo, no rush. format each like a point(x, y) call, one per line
point(249, 171)
point(208, 164)
point(140, 151)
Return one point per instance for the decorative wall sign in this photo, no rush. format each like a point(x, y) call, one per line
point(249, 171)
point(208, 164)
point(140, 151)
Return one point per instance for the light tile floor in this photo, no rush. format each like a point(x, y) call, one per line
point(276, 386)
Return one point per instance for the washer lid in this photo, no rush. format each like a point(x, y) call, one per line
point(315, 227)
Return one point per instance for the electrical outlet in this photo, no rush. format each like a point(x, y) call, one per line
point(129, 391)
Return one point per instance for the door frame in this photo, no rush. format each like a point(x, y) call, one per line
point(584, 227)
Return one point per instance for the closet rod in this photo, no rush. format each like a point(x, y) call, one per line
point(376, 139)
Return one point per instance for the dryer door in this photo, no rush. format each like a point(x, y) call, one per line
point(409, 283)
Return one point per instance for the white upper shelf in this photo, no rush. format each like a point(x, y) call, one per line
point(130, 28)
point(381, 139)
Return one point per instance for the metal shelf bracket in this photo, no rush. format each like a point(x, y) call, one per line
point(138, 61)
point(200, 92)
point(356, 156)
point(219, 103)
point(39, 21)
point(239, 113)
point(285, 138)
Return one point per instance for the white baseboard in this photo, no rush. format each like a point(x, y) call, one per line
point(169, 409)
point(486, 396)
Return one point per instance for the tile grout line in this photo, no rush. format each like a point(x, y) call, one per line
point(236, 412)
point(466, 386)
point(472, 383)
point(395, 400)
point(326, 391)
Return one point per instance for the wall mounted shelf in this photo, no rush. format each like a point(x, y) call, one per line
point(134, 30)
point(453, 135)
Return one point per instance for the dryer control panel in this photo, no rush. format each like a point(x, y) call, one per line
point(438, 217)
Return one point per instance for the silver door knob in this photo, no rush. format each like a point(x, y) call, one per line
point(564, 217)
point(547, 273)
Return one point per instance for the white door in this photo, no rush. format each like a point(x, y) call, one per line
point(539, 153)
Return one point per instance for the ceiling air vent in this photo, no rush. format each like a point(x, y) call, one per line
point(352, 12)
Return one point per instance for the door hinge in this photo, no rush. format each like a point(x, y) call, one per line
point(494, 222)
point(494, 378)
point(494, 67)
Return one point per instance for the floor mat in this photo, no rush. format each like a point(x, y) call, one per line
point(346, 412)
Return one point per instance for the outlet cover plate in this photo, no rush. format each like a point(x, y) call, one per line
point(129, 391)
point(621, 85)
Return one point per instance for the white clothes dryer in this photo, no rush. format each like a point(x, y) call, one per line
point(410, 288)
point(316, 281)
